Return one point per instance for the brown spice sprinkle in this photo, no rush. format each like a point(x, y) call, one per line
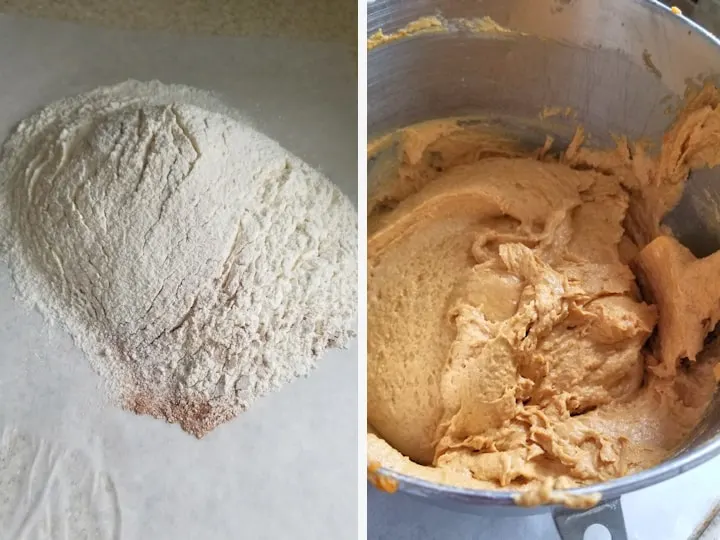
point(196, 417)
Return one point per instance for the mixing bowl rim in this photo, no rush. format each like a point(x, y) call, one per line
point(608, 490)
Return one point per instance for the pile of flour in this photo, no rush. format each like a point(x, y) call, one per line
point(196, 262)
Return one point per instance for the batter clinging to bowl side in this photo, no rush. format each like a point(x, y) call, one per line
point(509, 344)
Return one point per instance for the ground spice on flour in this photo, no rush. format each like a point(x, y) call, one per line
point(197, 263)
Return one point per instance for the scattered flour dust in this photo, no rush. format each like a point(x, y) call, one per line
point(197, 263)
point(48, 491)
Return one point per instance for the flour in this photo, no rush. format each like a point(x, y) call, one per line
point(51, 492)
point(197, 263)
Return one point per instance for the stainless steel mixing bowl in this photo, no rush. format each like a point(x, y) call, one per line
point(621, 65)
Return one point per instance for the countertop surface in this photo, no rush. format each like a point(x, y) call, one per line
point(287, 467)
point(323, 20)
